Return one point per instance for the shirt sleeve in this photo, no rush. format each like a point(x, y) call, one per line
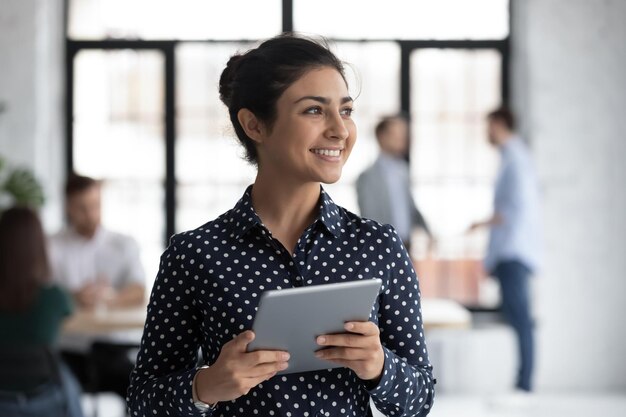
point(66, 302)
point(418, 218)
point(509, 193)
point(363, 195)
point(406, 386)
point(60, 299)
point(161, 382)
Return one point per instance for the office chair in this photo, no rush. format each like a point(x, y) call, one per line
point(109, 366)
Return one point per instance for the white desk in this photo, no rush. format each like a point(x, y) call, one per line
point(123, 326)
point(442, 313)
point(126, 325)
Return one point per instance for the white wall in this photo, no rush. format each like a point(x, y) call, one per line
point(569, 69)
point(31, 74)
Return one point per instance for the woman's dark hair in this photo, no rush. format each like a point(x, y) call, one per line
point(23, 258)
point(256, 79)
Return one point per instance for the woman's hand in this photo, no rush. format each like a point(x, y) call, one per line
point(236, 372)
point(359, 349)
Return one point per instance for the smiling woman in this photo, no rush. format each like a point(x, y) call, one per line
point(314, 136)
point(289, 104)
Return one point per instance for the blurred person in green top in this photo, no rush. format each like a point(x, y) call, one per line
point(33, 381)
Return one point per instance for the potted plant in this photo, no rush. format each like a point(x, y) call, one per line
point(18, 186)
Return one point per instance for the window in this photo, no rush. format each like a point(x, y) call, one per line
point(404, 19)
point(210, 171)
point(452, 91)
point(452, 166)
point(373, 72)
point(118, 137)
point(173, 19)
point(140, 86)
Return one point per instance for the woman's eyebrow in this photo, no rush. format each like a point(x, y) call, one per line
point(323, 100)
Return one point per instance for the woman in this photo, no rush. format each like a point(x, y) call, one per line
point(289, 105)
point(33, 381)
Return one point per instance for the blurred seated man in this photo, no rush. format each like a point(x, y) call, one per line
point(98, 266)
point(384, 189)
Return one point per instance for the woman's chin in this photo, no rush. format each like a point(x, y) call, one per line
point(329, 178)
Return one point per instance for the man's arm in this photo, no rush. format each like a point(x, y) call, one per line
point(418, 220)
point(494, 220)
point(129, 296)
point(101, 292)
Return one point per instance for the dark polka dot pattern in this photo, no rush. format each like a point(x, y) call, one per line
point(207, 291)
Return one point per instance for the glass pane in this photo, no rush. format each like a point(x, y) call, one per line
point(404, 19)
point(211, 174)
point(452, 165)
point(174, 19)
point(210, 171)
point(119, 138)
point(376, 89)
point(451, 93)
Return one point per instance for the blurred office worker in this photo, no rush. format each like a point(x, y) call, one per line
point(33, 380)
point(514, 242)
point(289, 104)
point(384, 189)
point(96, 265)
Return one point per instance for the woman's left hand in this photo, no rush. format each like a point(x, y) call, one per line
point(359, 349)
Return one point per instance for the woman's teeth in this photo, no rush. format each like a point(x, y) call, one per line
point(327, 152)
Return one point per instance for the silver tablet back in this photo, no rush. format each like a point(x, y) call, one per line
point(291, 319)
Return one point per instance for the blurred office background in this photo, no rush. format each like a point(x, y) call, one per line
point(126, 91)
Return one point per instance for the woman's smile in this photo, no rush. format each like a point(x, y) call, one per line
point(328, 154)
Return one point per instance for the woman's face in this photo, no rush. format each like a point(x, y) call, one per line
point(314, 133)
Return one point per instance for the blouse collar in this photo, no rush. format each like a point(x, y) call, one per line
point(244, 217)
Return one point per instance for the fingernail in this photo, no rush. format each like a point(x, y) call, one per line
point(284, 365)
point(349, 326)
point(285, 356)
point(321, 340)
point(319, 354)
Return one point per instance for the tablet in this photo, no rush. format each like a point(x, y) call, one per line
point(291, 319)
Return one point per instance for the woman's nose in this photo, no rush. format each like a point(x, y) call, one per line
point(337, 128)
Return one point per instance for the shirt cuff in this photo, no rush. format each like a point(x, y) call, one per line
point(182, 399)
point(385, 384)
point(204, 408)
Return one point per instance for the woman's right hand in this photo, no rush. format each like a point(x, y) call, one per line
point(236, 372)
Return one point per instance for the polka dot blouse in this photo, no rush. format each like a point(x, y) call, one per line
point(208, 289)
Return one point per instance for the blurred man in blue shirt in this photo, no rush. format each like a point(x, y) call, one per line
point(514, 243)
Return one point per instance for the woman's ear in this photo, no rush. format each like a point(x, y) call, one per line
point(251, 125)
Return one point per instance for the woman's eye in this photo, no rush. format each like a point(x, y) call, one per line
point(313, 110)
point(347, 111)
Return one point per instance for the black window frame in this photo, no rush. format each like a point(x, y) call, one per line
point(168, 48)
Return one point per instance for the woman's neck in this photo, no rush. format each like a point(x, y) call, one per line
point(286, 208)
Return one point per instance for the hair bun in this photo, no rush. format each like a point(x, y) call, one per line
point(227, 79)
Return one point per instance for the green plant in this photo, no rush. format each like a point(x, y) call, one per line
point(18, 186)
